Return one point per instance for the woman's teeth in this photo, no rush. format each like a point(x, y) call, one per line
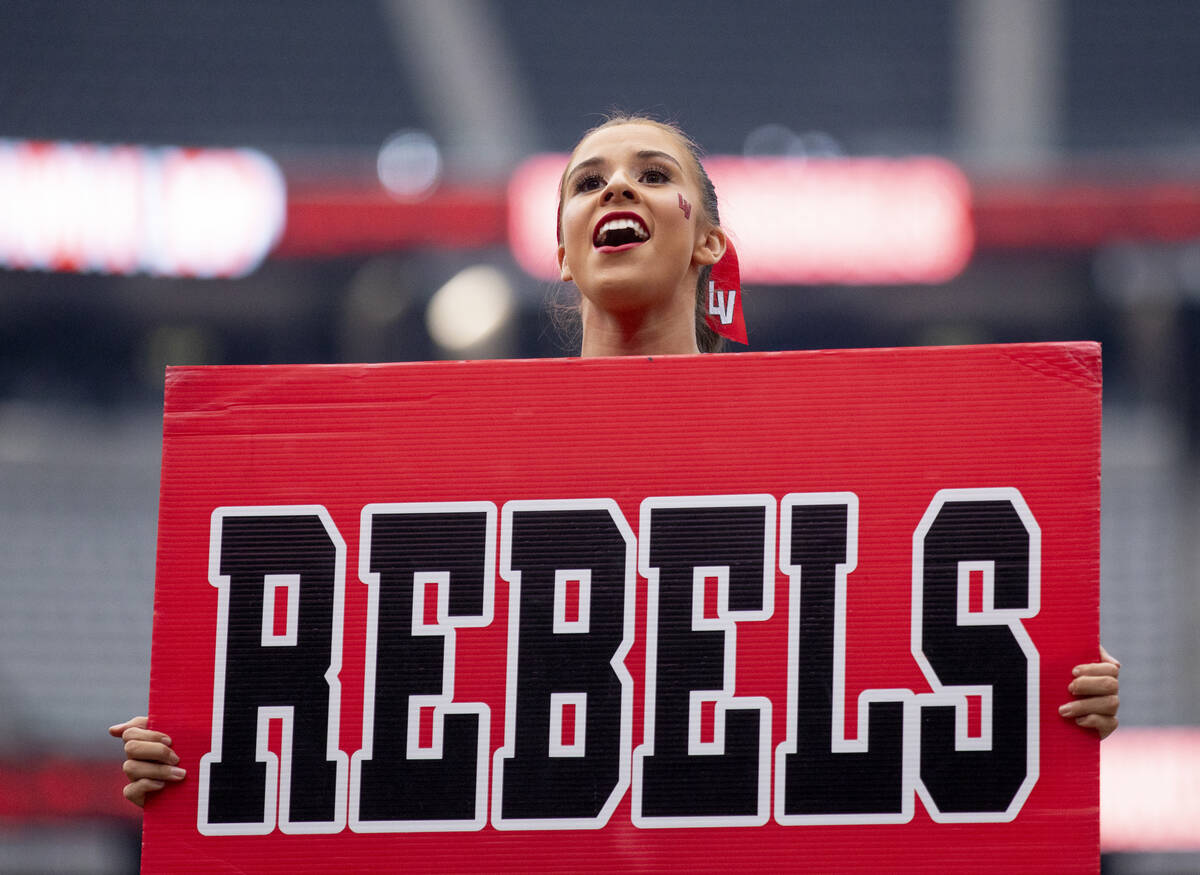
point(617, 232)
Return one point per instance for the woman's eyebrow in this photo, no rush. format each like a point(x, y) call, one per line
point(588, 162)
point(654, 153)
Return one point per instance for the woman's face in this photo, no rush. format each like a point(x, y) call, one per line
point(633, 227)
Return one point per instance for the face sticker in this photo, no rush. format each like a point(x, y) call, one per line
point(686, 207)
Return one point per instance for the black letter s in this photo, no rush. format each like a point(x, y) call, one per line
point(988, 653)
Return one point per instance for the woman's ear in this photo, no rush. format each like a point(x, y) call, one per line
point(564, 271)
point(710, 246)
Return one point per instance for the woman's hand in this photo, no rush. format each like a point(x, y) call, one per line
point(150, 763)
point(1096, 687)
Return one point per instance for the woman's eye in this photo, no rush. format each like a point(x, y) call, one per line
point(655, 176)
point(591, 182)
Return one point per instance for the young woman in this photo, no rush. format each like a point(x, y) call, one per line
point(639, 233)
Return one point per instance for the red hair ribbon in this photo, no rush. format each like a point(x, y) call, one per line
point(723, 306)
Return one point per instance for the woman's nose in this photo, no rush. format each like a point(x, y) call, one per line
point(619, 186)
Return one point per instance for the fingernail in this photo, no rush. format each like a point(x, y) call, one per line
point(167, 740)
point(1063, 709)
point(157, 784)
point(174, 758)
point(1075, 671)
point(178, 773)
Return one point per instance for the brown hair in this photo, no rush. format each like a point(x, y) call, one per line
point(706, 339)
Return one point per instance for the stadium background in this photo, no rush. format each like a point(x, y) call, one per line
point(1077, 123)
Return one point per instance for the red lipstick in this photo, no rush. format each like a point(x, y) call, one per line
point(629, 222)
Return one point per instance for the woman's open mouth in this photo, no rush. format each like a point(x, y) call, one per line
point(617, 232)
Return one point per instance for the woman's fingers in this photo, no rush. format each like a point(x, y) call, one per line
point(1105, 669)
point(150, 763)
point(1094, 685)
point(135, 730)
point(133, 722)
point(146, 735)
point(1098, 712)
point(1097, 686)
point(135, 770)
point(1102, 723)
point(137, 791)
point(1105, 706)
point(151, 751)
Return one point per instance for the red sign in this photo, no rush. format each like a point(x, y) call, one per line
point(803, 609)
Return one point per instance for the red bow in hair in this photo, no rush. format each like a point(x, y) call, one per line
point(723, 308)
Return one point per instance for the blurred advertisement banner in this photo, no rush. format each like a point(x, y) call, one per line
point(132, 209)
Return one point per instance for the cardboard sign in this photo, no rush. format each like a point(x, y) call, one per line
point(813, 610)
